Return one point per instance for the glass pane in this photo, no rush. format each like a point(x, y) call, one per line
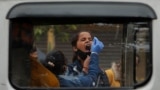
point(122, 41)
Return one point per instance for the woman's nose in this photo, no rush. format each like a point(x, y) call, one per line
point(88, 43)
point(88, 40)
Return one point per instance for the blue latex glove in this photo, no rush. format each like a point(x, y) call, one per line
point(97, 45)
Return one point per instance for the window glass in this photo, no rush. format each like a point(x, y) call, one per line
point(123, 44)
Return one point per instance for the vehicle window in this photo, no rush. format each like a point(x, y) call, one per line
point(126, 43)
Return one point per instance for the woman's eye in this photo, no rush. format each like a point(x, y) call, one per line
point(83, 39)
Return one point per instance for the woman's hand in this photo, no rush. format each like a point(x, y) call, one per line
point(86, 64)
point(97, 46)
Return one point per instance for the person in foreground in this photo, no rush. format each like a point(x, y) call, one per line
point(56, 63)
point(40, 76)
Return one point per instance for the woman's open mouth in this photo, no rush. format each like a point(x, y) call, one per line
point(88, 47)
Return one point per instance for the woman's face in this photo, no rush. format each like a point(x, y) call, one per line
point(84, 40)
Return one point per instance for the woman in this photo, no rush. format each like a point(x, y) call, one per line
point(81, 44)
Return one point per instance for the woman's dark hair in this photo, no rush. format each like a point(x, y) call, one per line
point(59, 61)
point(74, 43)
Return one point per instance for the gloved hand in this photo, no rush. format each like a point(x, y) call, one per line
point(97, 45)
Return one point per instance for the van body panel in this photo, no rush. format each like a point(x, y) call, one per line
point(9, 11)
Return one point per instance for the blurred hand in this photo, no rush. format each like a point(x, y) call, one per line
point(86, 64)
point(34, 55)
point(97, 45)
